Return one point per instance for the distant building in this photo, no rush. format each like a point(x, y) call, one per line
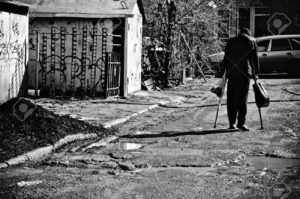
point(91, 48)
point(13, 49)
point(263, 17)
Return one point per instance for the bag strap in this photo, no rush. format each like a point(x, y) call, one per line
point(253, 73)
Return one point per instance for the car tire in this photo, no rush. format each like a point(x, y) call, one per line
point(294, 69)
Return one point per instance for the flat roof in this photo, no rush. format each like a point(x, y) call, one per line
point(14, 2)
point(84, 8)
point(13, 6)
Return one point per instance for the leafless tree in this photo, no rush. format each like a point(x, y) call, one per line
point(202, 23)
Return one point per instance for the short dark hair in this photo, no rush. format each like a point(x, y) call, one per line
point(245, 31)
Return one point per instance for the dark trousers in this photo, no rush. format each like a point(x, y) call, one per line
point(237, 98)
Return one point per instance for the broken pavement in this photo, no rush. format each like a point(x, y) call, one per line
point(173, 152)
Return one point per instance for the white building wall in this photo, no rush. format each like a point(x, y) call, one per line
point(13, 53)
point(134, 51)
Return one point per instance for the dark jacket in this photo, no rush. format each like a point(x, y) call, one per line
point(241, 56)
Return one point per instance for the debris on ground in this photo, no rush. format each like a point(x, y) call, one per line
point(150, 85)
point(25, 126)
point(153, 84)
point(127, 166)
point(29, 183)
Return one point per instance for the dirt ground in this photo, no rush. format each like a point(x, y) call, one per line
point(173, 152)
point(20, 134)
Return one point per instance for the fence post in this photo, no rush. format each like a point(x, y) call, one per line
point(94, 62)
point(84, 61)
point(73, 64)
point(52, 62)
point(106, 74)
point(36, 64)
point(62, 61)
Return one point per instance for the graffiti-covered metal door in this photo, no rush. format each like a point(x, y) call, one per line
point(72, 62)
point(113, 74)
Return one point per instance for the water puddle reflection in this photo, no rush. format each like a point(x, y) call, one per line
point(125, 146)
point(261, 163)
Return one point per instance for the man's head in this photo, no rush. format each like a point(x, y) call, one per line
point(245, 31)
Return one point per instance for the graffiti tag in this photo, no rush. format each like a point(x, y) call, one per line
point(15, 28)
point(11, 50)
point(1, 30)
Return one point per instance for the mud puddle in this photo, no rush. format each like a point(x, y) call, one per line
point(124, 146)
point(262, 163)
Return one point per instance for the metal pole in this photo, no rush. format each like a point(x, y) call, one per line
point(259, 111)
point(168, 45)
point(220, 102)
point(261, 122)
point(36, 64)
point(193, 56)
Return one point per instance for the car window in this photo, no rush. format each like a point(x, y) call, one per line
point(280, 45)
point(295, 43)
point(262, 46)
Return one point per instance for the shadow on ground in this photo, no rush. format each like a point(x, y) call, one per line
point(180, 133)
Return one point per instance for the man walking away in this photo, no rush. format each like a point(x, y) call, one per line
point(239, 61)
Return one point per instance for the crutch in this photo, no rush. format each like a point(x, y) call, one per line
point(259, 111)
point(256, 100)
point(261, 122)
point(220, 100)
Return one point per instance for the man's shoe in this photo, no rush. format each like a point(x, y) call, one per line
point(243, 127)
point(232, 127)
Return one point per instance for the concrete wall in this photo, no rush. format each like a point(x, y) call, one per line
point(132, 54)
point(13, 54)
point(134, 51)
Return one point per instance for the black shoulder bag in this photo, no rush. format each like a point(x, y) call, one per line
point(262, 98)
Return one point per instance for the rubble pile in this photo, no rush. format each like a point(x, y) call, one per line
point(25, 126)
